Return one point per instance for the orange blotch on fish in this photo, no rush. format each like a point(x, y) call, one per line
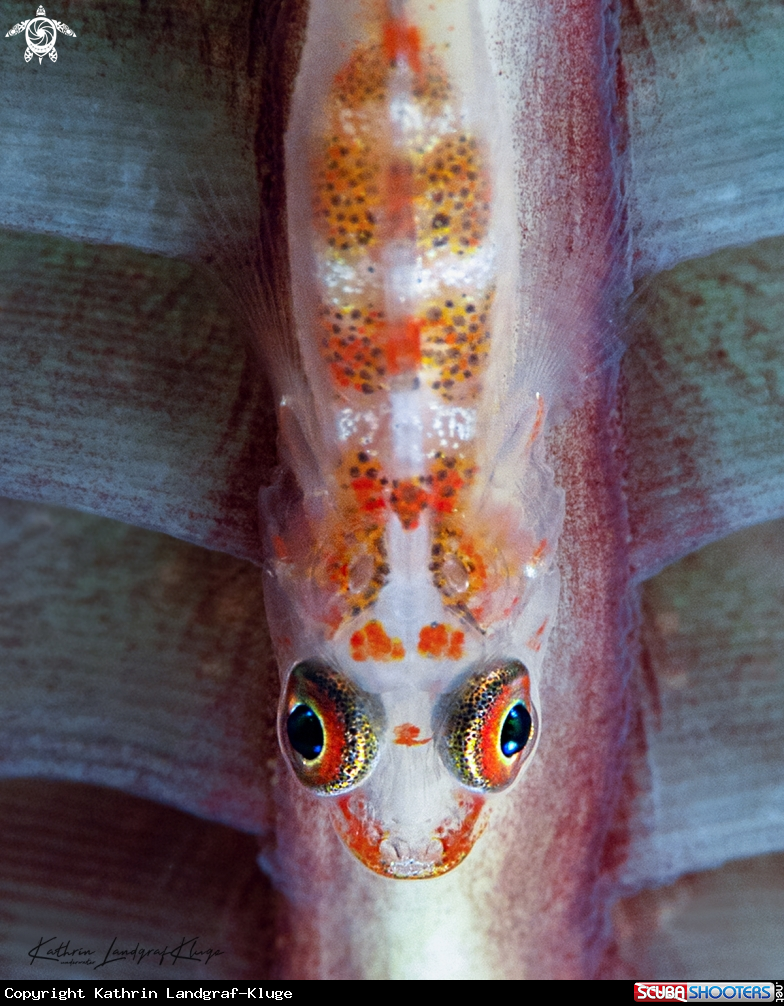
point(538, 420)
point(365, 480)
point(398, 217)
point(449, 475)
point(458, 842)
point(445, 490)
point(372, 643)
point(441, 641)
point(408, 499)
point(361, 832)
point(535, 642)
point(402, 41)
point(403, 350)
point(408, 735)
point(539, 553)
point(366, 491)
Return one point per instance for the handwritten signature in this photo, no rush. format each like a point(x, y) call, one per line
point(63, 953)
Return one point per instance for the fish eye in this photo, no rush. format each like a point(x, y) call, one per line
point(328, 728)
point(488, 726)
point(305, 733)
point(516, 730)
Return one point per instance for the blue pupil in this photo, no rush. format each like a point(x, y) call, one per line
point(516, 730)
point(305, 732)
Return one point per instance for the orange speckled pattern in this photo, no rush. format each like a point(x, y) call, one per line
point(361, 476)
point(408, 499)
point(352, 346)
point(372, 643)
point(452, 196)
point(369, 190)
point(450, 474)
point(348, 194)
point(441, 641)
point(401, 200)
point(455, 343)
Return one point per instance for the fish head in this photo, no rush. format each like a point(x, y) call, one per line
point(408, 770)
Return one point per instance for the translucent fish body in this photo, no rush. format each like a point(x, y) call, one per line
point(411, 535)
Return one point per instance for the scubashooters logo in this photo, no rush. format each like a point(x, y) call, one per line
point(704, 991)
point(41, 34)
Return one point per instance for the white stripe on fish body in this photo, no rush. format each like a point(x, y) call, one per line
point(419, 557)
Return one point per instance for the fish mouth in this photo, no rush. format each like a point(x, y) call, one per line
point(391, 853)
